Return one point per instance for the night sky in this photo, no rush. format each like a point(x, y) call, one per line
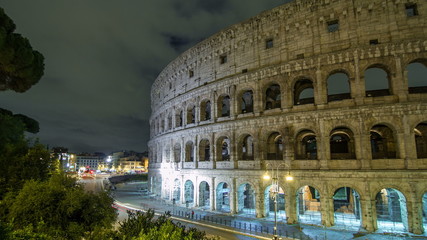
point(101, 57)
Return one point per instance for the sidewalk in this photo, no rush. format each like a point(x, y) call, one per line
point(127, 195)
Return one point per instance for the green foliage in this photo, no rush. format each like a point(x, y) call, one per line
point(144, 225)
point(20, 66)
point(31, 125)
point(59, 208)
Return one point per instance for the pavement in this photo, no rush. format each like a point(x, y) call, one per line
point(129, 196)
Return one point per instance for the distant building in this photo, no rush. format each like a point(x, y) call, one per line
point(89, 161)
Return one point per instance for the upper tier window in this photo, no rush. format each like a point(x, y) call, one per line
point(411, 9)
point(333, 26)
point(223, 59)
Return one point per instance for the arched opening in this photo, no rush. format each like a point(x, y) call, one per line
point(275, 146)
point(223, 146)
point(269, 195)
point(176, 196)
point(204, 193)
point(205, 110)
point(417, 80)
point(178, 118)
point(246, 199)
point(191, 115)
point(347, 210)
point(224, 106)
point(177, 153)
point(306, 145)
point(247, 148)
point(338, 87)
point(247, 102)
point(189, 152)
point(308, 205)
point(223, 197)
point(303, 92)
point(272, 97)
point(420, 132)
point(204, 150)
point(189, 193)
point(166, 188)
point(392, 214)
point(341, 144)
point(377, 82)
point(382, 142)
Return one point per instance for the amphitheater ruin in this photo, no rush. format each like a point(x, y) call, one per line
point(330, 92)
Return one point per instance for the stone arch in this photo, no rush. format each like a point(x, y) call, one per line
point(179, 117)
point(246, 199)
point(306, 145)
point(420, 133)
point(205, 110)
point(303, 91)
point(176, 195)
point(338, 86)
point(177, 152)
point(347, 208)
point(191, 114)
point(377, 80)
point(269, 198)
point(416, 74)
point(189, 151)
point(246, 101)
point(223, 149)
point(204, 150)
point(204, 195)
point(391, 210)
point(275, 146)
point(383, 144)
point(224, 106)
point(246, 149)
point(341, 143)
point(272, 97)
point(189, 193)
point(308, 205)
point(223, 197)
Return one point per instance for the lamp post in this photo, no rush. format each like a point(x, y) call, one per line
point(275, 189)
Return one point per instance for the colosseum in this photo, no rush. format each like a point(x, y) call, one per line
point(327, 97)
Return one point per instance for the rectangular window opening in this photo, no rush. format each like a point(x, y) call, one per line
point(269, 43)
point(245, 70)
point(191, 73)
point(373, 42)
point(223, 59)
point(411, 9)
point(300, 56)
point(333, 26)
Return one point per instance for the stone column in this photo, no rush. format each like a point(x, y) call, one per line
point(233, 148)
point(290, 205)
point(323, 148)
point(214, 106)
point(399, 83)
point(321, 95)
point(182, 193)
point(358, 85)
point(259, 201)
point(212, 195)
point(196, 192)
point(257, 98)
point(233, 102)
point(327, 210)
point(369, 216)
point(415, 212)
point(409, 144)
point(233, 197)
point(365, 148)
point(288, 101)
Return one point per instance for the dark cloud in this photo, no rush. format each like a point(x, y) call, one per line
point(101, 58)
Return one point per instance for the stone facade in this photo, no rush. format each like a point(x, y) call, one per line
point(321, 90)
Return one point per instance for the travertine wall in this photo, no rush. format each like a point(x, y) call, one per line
point(299, 46)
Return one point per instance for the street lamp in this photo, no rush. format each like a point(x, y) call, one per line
point(275, 189)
